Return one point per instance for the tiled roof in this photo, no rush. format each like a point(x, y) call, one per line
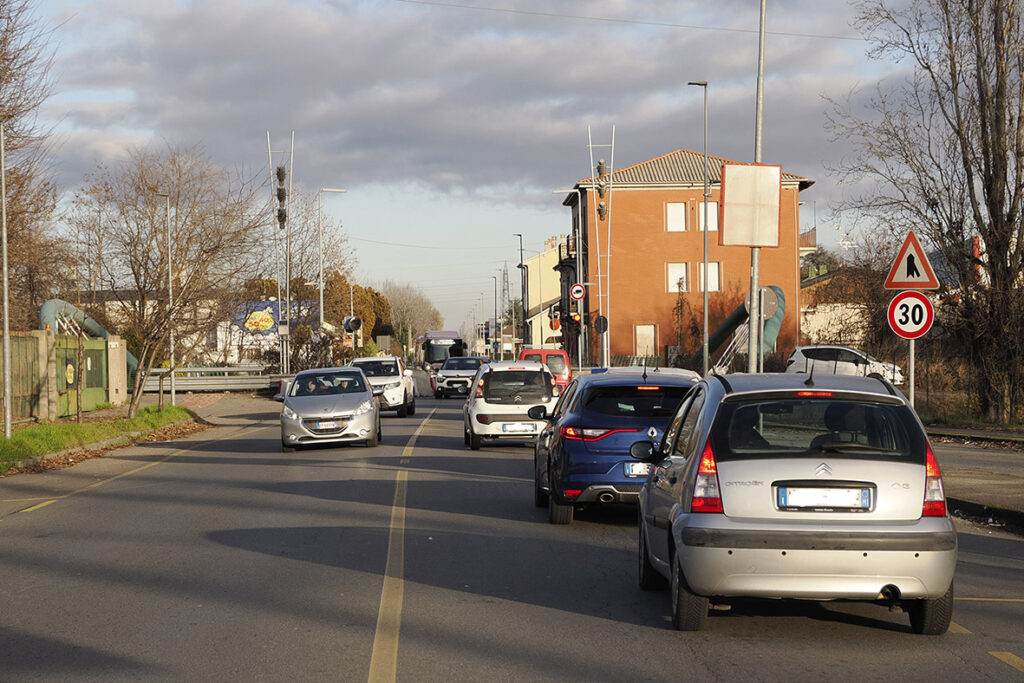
point(681, 167)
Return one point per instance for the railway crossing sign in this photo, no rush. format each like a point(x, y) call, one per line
point(910, 314)
point(577, 291)
point(911, 269)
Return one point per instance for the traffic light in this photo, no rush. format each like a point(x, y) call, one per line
point(282, 196)
point(577, 317)
point(487, 332)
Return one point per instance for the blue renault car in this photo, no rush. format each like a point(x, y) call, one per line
point(581, 457)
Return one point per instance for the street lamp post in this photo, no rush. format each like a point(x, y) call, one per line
point(170, 285)
point(522, 284)
point(707, 192)
point(494, 333)
point(6, 294)
point(320, 238)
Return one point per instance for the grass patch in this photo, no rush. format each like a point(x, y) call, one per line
point(43, 439)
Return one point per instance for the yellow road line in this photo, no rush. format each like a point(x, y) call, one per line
point(957, 628)
point(1010, 658)
point(101, 482)
point(991, 599)
point(41, 505)
point(384, 660)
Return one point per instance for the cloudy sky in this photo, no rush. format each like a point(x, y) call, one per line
point(450, 123)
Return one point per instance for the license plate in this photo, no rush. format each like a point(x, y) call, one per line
point(518, 427)
point(637, 469)
point(327, 425)
point(808, 497)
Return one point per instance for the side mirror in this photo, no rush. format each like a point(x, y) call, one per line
point(279, 397)
point(642, 450)
point(408, 372)
point(378, 391)
point(538, 413)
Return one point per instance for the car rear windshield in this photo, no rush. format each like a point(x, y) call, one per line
point(326, 384)
point(505, 386)
point(556, 363)
point(461, 364)
point(814, 428)
point(634, 401)
point(378, 368)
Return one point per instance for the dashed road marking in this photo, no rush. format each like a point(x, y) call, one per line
point(957, 628)
point(41, 505)
point(384, 659)
point(1010, 658)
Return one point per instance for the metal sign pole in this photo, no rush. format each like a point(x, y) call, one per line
point(911, 396)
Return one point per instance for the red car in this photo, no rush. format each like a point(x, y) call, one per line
point(557, 361)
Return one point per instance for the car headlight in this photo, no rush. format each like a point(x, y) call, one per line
point(289, 413)
point(393, 385)
point(364, 407)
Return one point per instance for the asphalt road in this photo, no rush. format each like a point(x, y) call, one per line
point(221, 558)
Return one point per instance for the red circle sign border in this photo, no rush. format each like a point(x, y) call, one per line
point(917, 296)
point(577, 288)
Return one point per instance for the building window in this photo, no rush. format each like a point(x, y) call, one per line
point(645, 345)
point(675, 216)
point(712, 216)
point(678, 277)
point(714, 277)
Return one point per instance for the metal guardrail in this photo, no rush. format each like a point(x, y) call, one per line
point(226, 378)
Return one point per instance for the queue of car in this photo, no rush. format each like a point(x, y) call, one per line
point(816, 485)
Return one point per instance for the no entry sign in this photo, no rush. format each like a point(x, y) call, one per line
point(910, 314)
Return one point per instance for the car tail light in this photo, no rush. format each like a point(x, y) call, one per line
point(707, 496)
point(572, 493)
point(813, 393)
point(589, 434)
point(480, 388)
point(934, 498)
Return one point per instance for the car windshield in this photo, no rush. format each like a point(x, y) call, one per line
point(516, 386)
point(634, 400)
point(327, 383)
point(814, 428)
point(461, 364)
point(378, 368)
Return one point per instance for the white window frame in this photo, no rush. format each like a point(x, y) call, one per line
point(672, 283)
point(712, 216)
point(654, 338)
point(714, 268)
point(673, 212)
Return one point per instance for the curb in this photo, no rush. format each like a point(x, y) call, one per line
point(1013, 520)
point(976, 436)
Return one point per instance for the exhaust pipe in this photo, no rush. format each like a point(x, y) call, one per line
point(606, 497)
point(891, 595)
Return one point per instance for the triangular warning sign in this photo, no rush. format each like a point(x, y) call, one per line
point(912, 269)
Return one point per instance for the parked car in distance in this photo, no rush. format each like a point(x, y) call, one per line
point(456, 374)
point(841, 360)
point(388, 374)
point(582, 455)
point(501, 396)
point(784, 486)
point(329, 405)
point(557, 361)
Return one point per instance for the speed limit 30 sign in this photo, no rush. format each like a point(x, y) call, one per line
point(910, 314)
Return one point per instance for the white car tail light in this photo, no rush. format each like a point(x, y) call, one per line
point(707, 496)
point(934, 498)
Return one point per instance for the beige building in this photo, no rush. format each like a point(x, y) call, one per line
point(543, 290)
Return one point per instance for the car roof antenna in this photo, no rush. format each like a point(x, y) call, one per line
point(810, 378)
point(645, 368)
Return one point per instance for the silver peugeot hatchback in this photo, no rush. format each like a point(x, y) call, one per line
point(817, 487)
point(329, 405)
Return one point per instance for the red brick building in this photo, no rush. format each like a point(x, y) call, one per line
point(649, 283)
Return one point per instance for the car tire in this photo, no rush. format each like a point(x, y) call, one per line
point(371, 442)
point(689, 611)
point(465, 435)
point(438, 394)
point(932, 617)
point(403, 409)
point(412, 406)
point(285, 448)
point(650, 579)
point(474, 441)
point(558, 513)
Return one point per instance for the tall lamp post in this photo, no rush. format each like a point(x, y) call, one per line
point(522, 284)
point(495, 331)
point(7, 299)
point(707, 192)
point(170, 285)
point(320, 239)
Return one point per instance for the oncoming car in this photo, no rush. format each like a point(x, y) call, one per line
point(329, 405)
point(392, 382)
point(456, 374)
point(790, 486)
point(500, 398)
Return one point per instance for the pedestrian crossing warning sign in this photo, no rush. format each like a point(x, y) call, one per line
point(912, 269)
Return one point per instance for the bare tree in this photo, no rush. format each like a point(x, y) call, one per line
point(37, 259)
point(942, 153)
point(216, 224)
point(412, 314)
